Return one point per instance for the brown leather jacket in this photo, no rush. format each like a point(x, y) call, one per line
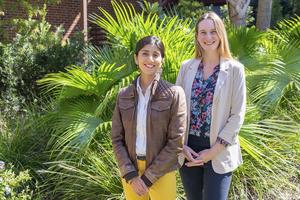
point(166, 124)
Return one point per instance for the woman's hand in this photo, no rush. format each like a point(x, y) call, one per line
point(189, 153)
point(206, 155)
point(191, 156)
point(202, 157)
point(138, 186)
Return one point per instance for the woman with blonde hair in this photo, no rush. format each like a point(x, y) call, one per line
point(214, 84)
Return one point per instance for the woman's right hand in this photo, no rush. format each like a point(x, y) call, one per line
point(189, 153)
point(138, 186)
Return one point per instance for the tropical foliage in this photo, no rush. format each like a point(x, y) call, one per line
point(74, 130)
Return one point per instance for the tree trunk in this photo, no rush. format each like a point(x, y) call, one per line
point(237, 11)
point(264, 13)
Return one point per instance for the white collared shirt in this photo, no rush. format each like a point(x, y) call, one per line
point(141, 125)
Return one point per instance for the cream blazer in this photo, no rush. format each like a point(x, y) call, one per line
point(228, 109)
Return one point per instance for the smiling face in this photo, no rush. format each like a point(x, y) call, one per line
point(149, 60)
point(207, 36)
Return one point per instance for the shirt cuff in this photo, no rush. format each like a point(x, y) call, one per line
point(223, 142)
point(146, 181)
point(130, 176)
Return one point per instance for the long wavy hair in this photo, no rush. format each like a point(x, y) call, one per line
point(223, 48)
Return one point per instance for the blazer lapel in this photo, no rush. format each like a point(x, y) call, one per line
point(190, 75)
point(221, 79)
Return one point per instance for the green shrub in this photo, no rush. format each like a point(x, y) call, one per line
point(184, 9)
point(23, 143)
point(35, 51)
point(14, 186)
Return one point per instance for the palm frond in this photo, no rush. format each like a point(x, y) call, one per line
point(266, 150)
point(272, 87)
point(76, 82)
point(79, 134)
point(124, 14)
point(75, 79)
point(105, 108)
point(289, 29)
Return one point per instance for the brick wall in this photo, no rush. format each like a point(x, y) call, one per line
point(12, 11)
point(96, 35)
point(67, 13)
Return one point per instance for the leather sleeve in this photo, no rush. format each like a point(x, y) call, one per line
point(127, 168)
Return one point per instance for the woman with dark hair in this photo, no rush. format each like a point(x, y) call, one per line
point(214, 85)
point(147, 128)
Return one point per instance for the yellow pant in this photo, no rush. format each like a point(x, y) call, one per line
point(163, 189)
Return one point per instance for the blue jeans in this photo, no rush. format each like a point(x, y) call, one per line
point(203, 183)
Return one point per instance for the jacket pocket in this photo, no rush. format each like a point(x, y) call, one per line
point(127, 114)
point(160, 116)
point(125, 105)
point(160, 106)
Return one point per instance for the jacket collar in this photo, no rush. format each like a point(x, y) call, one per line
point(132, 92)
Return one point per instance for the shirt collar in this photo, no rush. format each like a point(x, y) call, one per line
point(151, 87)
point(139, 88)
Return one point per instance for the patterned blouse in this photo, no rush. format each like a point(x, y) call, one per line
point(201, 102)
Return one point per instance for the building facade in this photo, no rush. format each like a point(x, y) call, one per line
point(74, 14)
point(69, 13)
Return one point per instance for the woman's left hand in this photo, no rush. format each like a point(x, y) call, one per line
point(206, 155)
point(203, 157)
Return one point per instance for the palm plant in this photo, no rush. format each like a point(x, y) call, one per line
point(124, 31)
point(281, 76)
point(245, 45)
point(267, 155)
point(83, 103)
point(265, 139)
point(288, 30)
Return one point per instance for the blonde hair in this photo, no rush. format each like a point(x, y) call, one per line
point(223, 48)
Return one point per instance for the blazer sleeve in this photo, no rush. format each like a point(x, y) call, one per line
point(238, 106)
point(127, 168)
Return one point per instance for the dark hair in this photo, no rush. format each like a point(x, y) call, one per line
point(150, 40)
